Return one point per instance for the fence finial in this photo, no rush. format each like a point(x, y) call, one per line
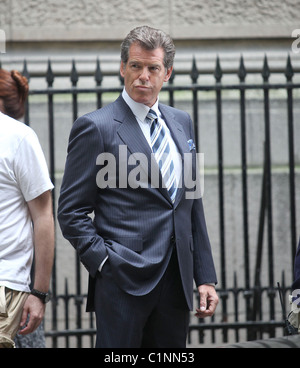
point(289, 71)
point(266, 70)
point(194, 72)
point(242, 70)
point(98, 73)
point(218, 71)
point(49, 75)
point(74, 74)
point(25, 70)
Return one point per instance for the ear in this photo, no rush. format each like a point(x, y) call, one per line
point(122, 69)
point(168, 74)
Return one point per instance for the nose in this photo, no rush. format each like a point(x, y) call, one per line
point(144, 76)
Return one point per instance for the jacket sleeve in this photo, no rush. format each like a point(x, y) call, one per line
point(79, 192)
point(204, 268)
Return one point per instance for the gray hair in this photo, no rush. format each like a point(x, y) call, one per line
point(150, 39)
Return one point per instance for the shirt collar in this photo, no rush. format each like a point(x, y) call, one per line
point(139, 110)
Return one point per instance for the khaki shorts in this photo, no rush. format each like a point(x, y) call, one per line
point(11, 307)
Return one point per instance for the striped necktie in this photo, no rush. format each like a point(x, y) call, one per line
point(161, 149)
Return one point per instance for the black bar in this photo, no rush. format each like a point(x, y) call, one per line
point(194, 77)
point(218, 76)
point(26, 74)
point(204, 88)
point(50, 80)
point(265, 75)
point(242, 76)
point(98, 79)
point(289, 75)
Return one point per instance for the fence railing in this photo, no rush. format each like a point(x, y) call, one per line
point(248, 308)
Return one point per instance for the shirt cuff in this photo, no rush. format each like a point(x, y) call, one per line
point(102, 264)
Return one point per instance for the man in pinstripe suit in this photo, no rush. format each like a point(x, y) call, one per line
point(147, 242)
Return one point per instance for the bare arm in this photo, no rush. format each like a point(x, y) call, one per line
point(41, 213)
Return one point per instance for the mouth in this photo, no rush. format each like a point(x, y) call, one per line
point(142, 87)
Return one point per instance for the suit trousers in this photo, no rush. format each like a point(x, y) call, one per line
point(159, 319)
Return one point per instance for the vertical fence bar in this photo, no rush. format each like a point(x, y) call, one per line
point(271, 292)
point(235, 292)
point(171, 92)
point(74, 81)
point(66, 304)
point(50, 80)
point(92, 343)
point(257, 269)
point(242, 75)
point(260, 291)
point(78, 297)
point(26, 74)
point(218, 76)
point(289, 73)
point(247, 294)
point(194, 78)
point(98, 79)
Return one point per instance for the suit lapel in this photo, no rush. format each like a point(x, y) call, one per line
point(132, 136)
point(130, 131)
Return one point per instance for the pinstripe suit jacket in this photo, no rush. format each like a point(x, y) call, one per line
point(136, 227)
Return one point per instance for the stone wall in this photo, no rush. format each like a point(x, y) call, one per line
point(83, 20)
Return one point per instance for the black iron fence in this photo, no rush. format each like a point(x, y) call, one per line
point(249, 307)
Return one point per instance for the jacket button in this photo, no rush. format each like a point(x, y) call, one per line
point(173, 239)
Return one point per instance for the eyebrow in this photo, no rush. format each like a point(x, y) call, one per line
point(139, 63)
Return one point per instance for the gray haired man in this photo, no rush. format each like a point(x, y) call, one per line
point(147, 244)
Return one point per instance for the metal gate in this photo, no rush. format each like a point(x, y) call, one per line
point(249, 307)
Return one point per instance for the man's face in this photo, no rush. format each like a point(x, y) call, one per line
point(144, 74)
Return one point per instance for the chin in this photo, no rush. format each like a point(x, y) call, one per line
point(142, 100)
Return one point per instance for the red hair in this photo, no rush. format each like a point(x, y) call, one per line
point(13, 93)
